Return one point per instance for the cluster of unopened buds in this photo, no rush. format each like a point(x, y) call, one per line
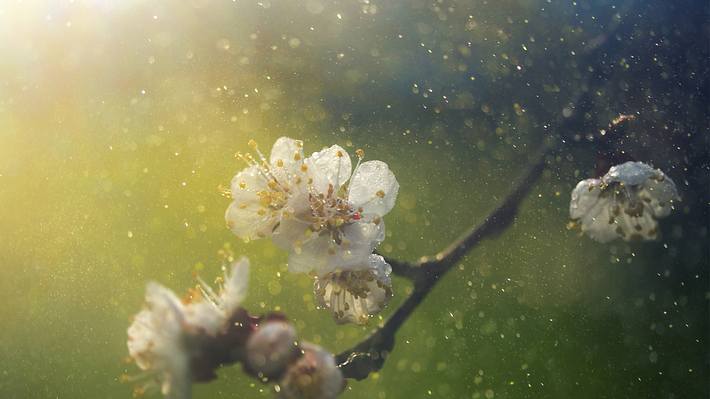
point(177, 342)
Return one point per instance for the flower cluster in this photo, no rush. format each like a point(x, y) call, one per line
point(327, 215)
point(625, 203)
point(177, 342)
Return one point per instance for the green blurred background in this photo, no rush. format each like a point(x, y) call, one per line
point(119, 121)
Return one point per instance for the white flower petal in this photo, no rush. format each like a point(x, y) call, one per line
point(235, 285)
point(204, 316)
point(167, 306)
point(291, 233)
point(140, 336)
point(584, 196)
point(629, 173)
point(330, 166)
point(373, 187)
point(596, 223)
point(315, 253)
point(156, 341)
point(246, 222)
point(288, 151)
point(624, 203)
point(659, 193)
point(592, 208)
point(322, 254)
point(362, 237)
point(246, 216)
point(247, 183)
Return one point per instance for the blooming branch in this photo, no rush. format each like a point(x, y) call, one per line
point(369, 355)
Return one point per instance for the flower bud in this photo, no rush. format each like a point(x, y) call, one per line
point(271, 348)
point(313, 376)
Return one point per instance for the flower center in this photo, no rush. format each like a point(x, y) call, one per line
point(331, 212)
point(346, 293)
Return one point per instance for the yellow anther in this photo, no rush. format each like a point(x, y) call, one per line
point(339, 154)
point(265, 199)
point(280, 163)
point(224, 191)
point(261, 212)
point(252, 144)
point(297, 156)
point(243, 206)
point(360, 153)
point(242, 185)
point(380, 194)
point(273, 184)
point(304, 167)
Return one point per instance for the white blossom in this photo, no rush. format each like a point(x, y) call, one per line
point(341, 223)
point(263, 191)
point(625, 203)
point(157, 341)
point(161, 337)
point(356, 295)
point(313, 376)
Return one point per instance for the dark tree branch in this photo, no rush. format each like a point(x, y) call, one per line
point(370, 354)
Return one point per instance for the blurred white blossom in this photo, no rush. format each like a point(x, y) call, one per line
point(313, 376)
point(625, 203)
point(162, 338)
point(356, 295)
point(157, 342)
point(211, 309)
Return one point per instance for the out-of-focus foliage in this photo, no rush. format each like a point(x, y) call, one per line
point(119, 120)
